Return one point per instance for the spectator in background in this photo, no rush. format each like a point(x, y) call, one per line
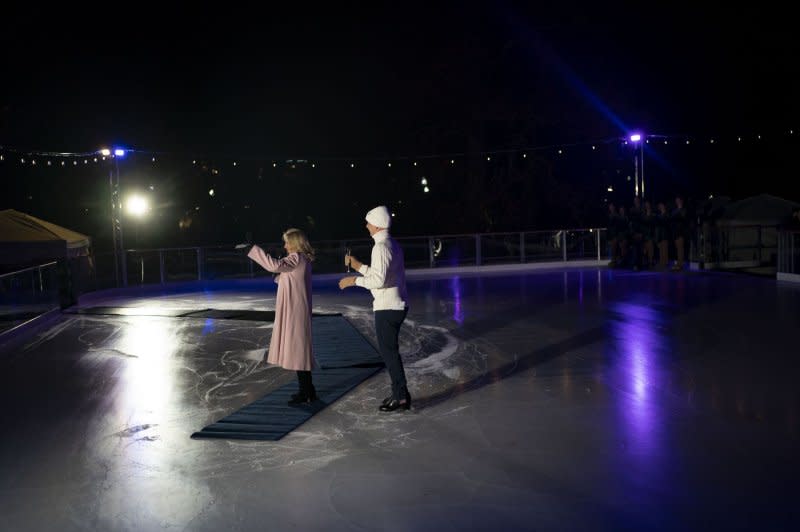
point(613, 243)
point(623, 231)
point(679, 226)
point(636, 235)
point(662, 235)
point(648, 223)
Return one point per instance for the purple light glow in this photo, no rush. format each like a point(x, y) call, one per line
point(458, 313)
point(636, 137)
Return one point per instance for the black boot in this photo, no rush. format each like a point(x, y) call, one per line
point(307, 393)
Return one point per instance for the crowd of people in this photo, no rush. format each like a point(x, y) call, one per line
point(641, 237)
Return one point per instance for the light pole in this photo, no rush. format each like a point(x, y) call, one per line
point(638, 164)
point(120, 264)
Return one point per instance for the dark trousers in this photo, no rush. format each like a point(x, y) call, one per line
point(387, 328)
point(304, 380)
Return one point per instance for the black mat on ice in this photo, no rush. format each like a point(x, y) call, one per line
point(216, 314)
point(346, 359)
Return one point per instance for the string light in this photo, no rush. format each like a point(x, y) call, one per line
point(28, 157)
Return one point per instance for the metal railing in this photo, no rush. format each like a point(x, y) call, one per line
point(148, 266)
point(25, 294)
point(741, 246)
point(789, 252)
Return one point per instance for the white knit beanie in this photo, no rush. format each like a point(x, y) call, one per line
point(379, 217)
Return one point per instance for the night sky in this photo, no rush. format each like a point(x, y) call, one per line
point(394, 83)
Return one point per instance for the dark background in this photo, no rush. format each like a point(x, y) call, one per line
point(201, 88)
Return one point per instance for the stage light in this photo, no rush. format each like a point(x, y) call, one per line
point(137, 205)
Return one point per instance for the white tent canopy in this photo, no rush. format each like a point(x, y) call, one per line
point(26, 239)
point(763, 209)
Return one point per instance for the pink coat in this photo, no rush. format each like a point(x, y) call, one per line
point(290, 346)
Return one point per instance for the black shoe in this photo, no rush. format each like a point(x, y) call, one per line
point(394, 404)
point(386, 401)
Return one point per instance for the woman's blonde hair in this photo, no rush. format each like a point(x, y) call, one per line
point(298, 240)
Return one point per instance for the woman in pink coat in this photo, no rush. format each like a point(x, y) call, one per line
point(290, 346)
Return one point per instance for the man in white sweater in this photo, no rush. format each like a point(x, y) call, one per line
point(385, 277)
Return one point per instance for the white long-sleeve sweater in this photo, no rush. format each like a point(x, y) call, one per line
point(385, 277)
